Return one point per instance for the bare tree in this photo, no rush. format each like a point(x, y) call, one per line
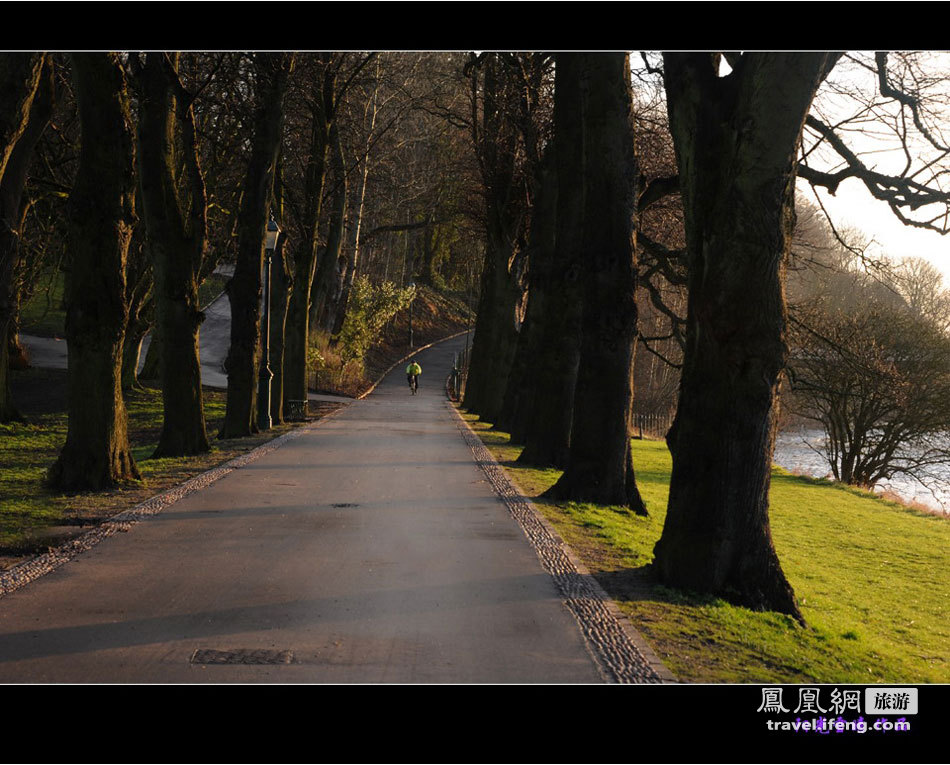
point(877, 380)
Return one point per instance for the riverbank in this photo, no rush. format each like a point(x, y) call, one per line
point(800, 450)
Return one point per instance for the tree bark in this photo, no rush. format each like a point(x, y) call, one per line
point(139, 298)
point(281, 285)
point(525, 378)
point(736, 139)
point(175, 211)
point(547, 431)
point(244, 288)
point(496, 335)
point(101, 218)
point(328, 275)
point(496, 332)
point(297, 336)
point(26, 102)
point(599, 466)
point(339, 308)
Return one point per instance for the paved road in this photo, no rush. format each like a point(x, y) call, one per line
point(371, 547)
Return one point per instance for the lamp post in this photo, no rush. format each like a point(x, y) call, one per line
point(412, 285)
point(263, 391)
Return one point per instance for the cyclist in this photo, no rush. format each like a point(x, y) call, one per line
point(412, 372)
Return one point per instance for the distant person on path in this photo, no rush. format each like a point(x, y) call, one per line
point(412, 372)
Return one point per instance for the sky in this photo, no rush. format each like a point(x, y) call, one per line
point(853, 204)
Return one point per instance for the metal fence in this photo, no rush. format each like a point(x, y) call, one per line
point(651, 425)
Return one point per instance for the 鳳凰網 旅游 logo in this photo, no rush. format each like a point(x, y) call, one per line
point(829, 710)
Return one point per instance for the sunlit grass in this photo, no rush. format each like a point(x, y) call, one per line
point(872, 578)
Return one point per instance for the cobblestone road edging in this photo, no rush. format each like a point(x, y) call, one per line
point(622, 654)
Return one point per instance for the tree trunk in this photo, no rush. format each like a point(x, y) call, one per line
point(599, 467)
point(339, 309)
point(736, 139)
point(281, 284)
point(297, 338)
point(244, 288)
point(101, 217)
point(135, 333)
point(138, 297)
point(328, 270)
point(524, 378)
point(496, 333)
point(25, 109)
point(547, 431)
point(177, 233)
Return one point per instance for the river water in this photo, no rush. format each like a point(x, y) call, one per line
point(801, 450)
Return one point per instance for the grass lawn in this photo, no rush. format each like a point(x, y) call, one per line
point(872, 578)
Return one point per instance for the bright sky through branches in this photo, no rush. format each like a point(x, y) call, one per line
point(874, 128)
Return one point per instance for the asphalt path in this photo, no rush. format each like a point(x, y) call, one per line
point(370, 549)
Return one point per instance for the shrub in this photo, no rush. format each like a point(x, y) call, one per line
point(368, 310)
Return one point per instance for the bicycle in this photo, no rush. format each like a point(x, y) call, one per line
point(413, 383)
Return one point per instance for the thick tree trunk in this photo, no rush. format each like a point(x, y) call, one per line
point(297, 337)
point(524, 378)
point(101, 217)
point(177, 233)
point(244, 288)
point(497, 147)
point(25, 109)
point(547, 431)
point(496, 335)
point(736, 140)
point(599, 467)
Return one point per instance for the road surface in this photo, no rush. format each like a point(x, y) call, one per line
point(369, 549)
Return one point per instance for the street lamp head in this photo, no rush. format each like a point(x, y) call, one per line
point(273, 231)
